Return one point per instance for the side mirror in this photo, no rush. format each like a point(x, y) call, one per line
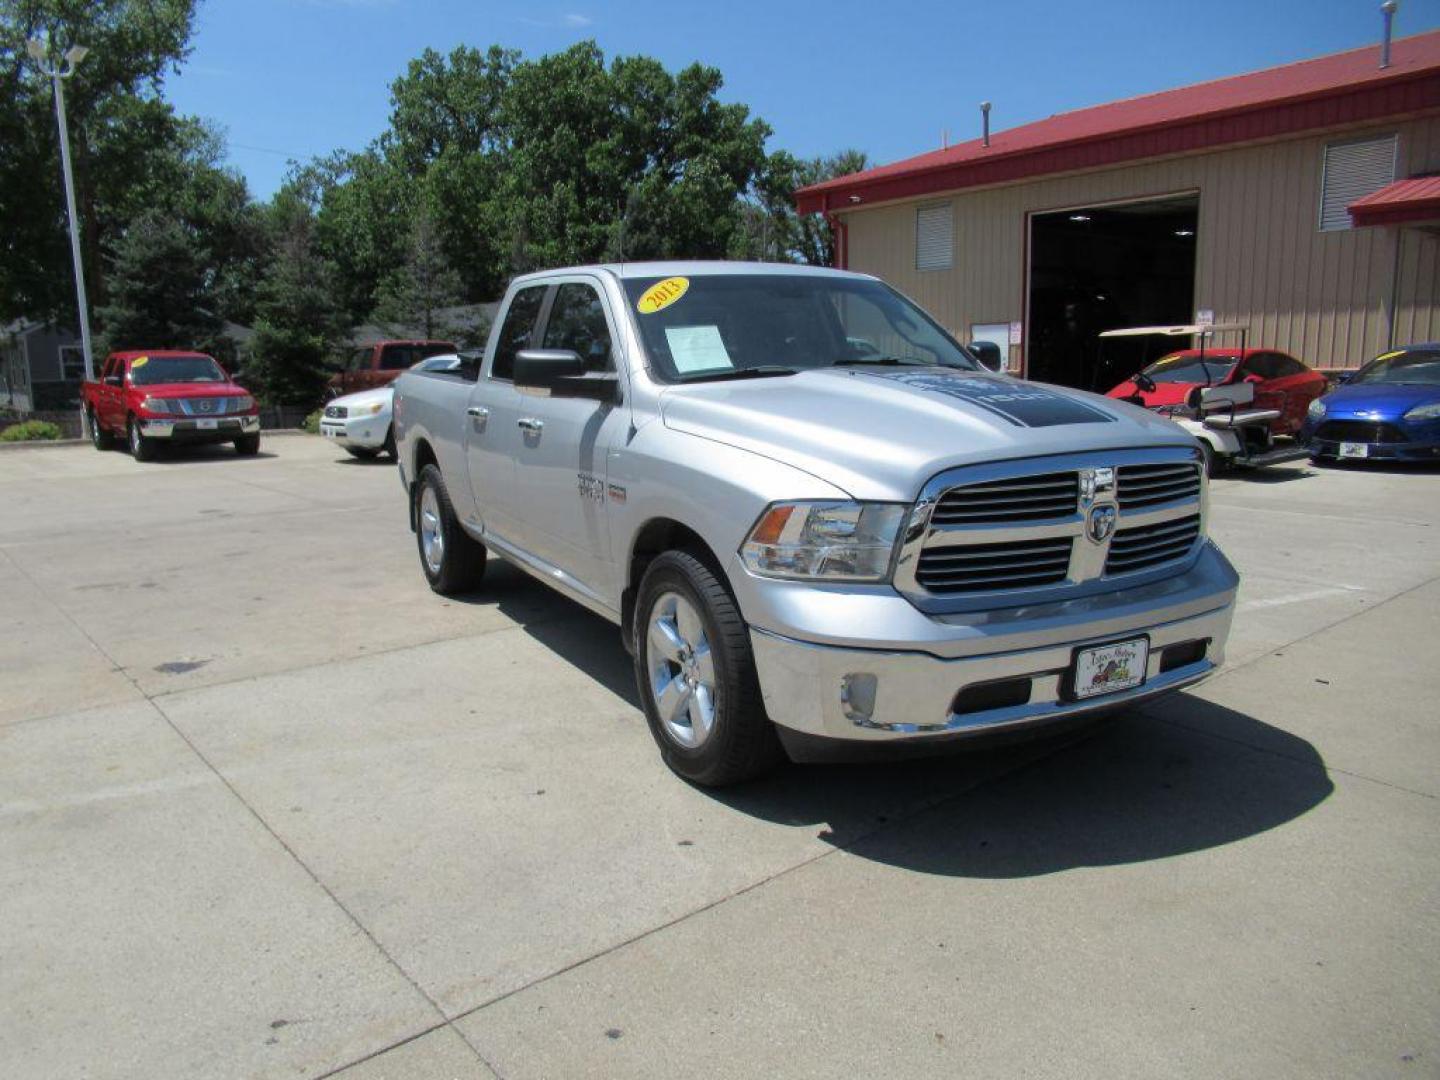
point(562, 372)
point(1254, 379)
point(988, 353)
point(1344, 377)
point(114, 380)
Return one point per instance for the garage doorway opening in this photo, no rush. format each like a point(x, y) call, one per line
point(1100, 268)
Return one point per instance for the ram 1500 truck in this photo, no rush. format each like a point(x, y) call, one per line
point(157, 397)
point(823, 527)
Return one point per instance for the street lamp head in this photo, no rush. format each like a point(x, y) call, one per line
point(36, 48)
point(76, 53)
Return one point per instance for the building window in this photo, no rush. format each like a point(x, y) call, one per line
point(72, 362)
point(935, 237)
point(1351, 171)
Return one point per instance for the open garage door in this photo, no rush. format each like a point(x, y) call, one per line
point(1102, 267)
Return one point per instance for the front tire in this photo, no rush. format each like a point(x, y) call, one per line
point(453, 561)
point(141, 448)
point(696, 675)
point(248, 445)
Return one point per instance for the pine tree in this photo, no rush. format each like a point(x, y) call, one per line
point(159, 291)
point(414, 293)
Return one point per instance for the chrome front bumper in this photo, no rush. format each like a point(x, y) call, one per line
point(226, 427)
point(869, 695)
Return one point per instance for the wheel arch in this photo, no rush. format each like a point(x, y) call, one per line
point(657, 536)
point(423, 455)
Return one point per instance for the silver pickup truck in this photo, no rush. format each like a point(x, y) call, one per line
point(823, 527)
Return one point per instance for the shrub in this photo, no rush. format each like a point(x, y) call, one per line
point(31, 431)
point(312, 422)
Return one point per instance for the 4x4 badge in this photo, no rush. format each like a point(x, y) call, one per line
point(1100, 524)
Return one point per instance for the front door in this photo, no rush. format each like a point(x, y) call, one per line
point(563, 442)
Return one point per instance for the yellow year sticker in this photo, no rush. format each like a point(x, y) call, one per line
point(139, 361)
point(662, 294)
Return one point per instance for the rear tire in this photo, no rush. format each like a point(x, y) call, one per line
point(99, 437)
point(692, 652)
point(248, 445)
point(1214, 463)
point(452, 560)
point(141, 448)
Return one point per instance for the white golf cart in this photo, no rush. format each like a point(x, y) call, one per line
point(1222, 419)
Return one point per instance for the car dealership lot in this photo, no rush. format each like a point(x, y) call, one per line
point(269, 807)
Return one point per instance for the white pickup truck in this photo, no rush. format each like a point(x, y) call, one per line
point(823, 527)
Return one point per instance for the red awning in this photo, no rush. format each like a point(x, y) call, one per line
point(1416, 199)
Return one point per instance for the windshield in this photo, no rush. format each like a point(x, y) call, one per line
point(726, 325)
point(1415, 366)
point(153, 370)
point(1190, 367)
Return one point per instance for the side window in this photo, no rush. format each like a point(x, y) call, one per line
point(398, 357)
point(577, 321)
point(1285, 366)
point(1257, 365)
point(517, 330)
point(360, 360)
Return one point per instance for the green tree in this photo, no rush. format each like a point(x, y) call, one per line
point(116, 118)
point(298, 323)
point(414, 292)
point(159, 297)
point(772, 229)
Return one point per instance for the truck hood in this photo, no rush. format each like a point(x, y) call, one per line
point(382, 394)
point(880, 434)
point(205, 389)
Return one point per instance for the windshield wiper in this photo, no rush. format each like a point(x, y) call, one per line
point(888, 361)
point(761, 372)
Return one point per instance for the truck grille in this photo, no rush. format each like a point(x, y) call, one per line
point(1141, 486)
point(1366, 431)
point(205, 406)
point(1144, 546)
point(1046, 526)
point(1022, 564)
point(1024, 498)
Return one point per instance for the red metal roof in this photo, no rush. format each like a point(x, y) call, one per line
point(1416, 199)
point(1341, 88)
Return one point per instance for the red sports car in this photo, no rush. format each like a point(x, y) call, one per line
point(1281, 382)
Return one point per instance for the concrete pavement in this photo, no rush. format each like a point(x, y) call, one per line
point(269, 807)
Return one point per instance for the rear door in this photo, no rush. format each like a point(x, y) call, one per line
point(563, 442)
point(490, 420)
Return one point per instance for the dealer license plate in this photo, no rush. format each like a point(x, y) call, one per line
point(1354, 449)
point(207, 425)
point(1108, 668)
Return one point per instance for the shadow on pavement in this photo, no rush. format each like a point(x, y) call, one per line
point(1137, 789)
point(190, 455)
point(1185, 776)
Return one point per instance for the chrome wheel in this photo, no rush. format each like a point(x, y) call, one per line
point(432, 532)
point(682, 671)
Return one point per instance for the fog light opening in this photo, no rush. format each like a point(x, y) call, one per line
point(857, 696)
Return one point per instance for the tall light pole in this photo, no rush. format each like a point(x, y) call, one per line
point(40, 53)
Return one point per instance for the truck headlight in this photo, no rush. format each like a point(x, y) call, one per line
point(156, 405)
point(1316, 409)
point(244, 403)
point(366, 410)
point(831, 541)
point(1425, 412)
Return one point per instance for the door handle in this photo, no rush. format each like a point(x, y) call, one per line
point(530, 424)
point(478, 412)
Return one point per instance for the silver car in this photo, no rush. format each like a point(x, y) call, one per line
point(823, 527)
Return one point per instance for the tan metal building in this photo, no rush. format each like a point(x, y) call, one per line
point(1285, 199)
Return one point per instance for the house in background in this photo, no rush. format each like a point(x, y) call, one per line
point(41, 366)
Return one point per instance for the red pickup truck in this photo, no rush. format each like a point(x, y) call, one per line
point(163, 396)
point(381, 363)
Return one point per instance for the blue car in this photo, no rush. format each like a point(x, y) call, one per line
point(1388, 410)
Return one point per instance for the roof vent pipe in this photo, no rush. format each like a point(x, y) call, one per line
point(1387, 9)
point(985, 112)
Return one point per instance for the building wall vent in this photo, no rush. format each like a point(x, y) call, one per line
point(1352, 170)
point(935, 237)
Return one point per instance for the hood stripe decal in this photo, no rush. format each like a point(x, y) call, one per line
point(1023, 404)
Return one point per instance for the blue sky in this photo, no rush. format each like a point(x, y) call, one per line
point(296, 78)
